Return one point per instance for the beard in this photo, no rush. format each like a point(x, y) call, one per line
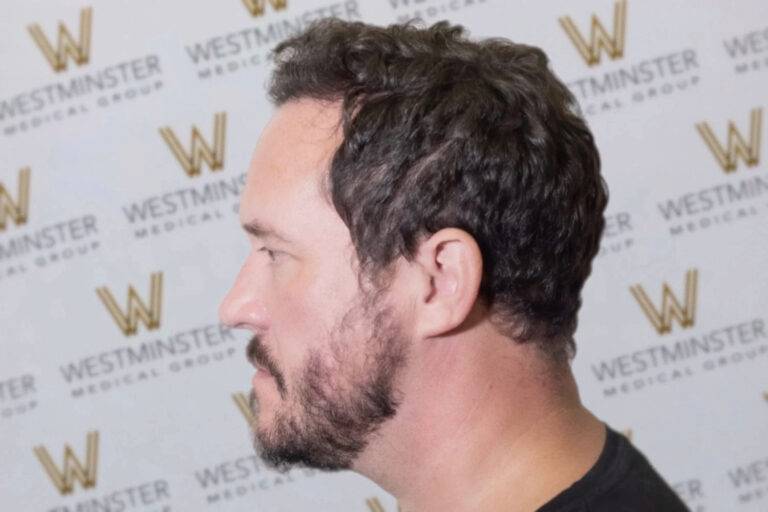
point(340, 401)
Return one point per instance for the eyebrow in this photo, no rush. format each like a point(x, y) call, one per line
point(259, 230)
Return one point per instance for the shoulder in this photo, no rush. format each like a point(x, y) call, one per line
point(622, 480)
point(635, 485)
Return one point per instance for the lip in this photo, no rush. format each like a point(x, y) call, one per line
point(260, 375)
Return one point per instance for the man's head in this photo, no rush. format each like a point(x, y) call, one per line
point(412, 184)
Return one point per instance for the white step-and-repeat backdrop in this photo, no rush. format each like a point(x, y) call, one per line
point(125, 132)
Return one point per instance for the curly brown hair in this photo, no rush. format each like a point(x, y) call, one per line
point(440, 131)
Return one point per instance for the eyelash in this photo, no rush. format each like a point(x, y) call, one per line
point(270, 253)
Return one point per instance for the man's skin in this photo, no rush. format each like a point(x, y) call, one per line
point(484, 423)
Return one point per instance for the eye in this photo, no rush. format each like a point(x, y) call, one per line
point(269, 252)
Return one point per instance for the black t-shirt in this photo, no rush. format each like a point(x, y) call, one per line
point(622, 480)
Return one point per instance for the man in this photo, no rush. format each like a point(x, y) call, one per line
point(423, 211)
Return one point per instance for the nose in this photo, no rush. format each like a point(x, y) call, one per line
point(243, 306)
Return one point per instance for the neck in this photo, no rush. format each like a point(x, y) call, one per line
point(489, 425)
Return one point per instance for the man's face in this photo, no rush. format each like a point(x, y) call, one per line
point(328, 354)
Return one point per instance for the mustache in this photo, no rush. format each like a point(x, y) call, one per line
point(258, 355)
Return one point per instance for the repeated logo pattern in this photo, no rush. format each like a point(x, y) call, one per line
point(137, 310)
point(194, 102)
point(737, 147)
point(258, 7)
point(200, 150)
point(16, 210)
point(374, 505)
point(72, 468)
point(671, 308)
point(599, 40)
point(66, 47)
point(241, 400)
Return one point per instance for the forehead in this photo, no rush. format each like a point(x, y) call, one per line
point(286, 176)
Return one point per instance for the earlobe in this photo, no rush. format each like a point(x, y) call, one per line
point(452, 267)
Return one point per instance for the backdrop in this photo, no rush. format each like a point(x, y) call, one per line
point(125, 132)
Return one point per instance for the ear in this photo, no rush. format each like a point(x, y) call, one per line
point(450, 268)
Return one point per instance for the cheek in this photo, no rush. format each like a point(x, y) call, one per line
point(309, 302)
point(299, 322)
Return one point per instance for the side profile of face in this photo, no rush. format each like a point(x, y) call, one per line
point(327, 353)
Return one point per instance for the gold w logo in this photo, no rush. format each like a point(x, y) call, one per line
point(736, 145)
point(242, 402)
point(670, 305)
point(200, 150)
point(374, 505)
point(599, 39)
point(257, 7)
point(137, 309)
point(64, 479)
point(66, 45)
point(18, 210)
